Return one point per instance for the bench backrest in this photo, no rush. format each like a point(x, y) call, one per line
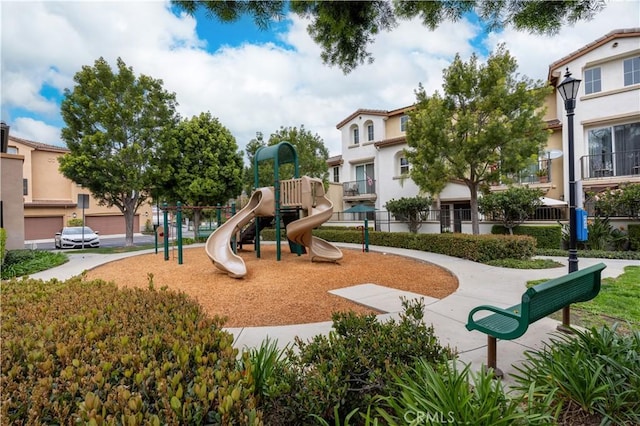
point(553, 295)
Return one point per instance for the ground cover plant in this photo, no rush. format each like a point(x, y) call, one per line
point(24, 262)
point(617, 302)
point(451, 393)
point(594, 376)
point(89, 353)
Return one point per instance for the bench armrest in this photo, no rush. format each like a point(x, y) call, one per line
point(490, 308)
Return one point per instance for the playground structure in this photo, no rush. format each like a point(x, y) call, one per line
point(303, 196)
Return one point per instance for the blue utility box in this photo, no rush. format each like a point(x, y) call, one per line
point(582, 232)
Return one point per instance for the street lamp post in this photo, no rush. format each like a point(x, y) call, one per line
point(569, 91)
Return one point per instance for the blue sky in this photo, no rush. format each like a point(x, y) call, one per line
point(252, 81)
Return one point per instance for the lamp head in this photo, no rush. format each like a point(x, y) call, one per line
point(569, 90)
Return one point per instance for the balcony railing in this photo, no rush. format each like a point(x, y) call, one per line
point(610, 164)
point(359, 187)
point(536, 173)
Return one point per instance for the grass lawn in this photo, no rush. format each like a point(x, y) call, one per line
point(110, 250)
point(617, 302)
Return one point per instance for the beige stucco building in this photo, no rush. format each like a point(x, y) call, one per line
point(11, 205)
point(50, 200)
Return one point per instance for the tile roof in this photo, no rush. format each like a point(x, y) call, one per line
point(392, 141)
point(612, 35)
point(336, 160)
point(38, 145)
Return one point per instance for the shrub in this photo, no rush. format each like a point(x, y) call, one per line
point(412, 210)
point(75, 222)
point(634, 236)
point(331, 376)
point(89, 353)
point(595, 372)
point(511, 207)
point(3, 245)
point(547, 237)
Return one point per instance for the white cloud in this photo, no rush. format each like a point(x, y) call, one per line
point(536, 53)
point(35, 130)
point(249, 87)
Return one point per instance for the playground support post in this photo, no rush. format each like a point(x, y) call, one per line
point(366, 235)
point(234, 243)
point(165, 214)
point(277, 212)
point(179, 230)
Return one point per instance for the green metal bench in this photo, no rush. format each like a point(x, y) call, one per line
point(537, 302)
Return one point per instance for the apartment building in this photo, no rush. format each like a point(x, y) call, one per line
point(607, 113)
point(373, 169)
point(50, 200)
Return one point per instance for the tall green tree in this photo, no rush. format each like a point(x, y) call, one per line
point(203, 166)
point(511, 207)
point(486, 116)
point(115, 123)
point(346, 29)
point(312, 156)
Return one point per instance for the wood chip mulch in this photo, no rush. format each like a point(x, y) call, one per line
point(291, 291)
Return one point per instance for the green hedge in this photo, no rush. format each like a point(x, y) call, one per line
point(479, 248)
point(547, 237)
point(634, 236)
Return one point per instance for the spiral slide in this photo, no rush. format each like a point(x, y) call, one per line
point(319, 210)
point(218, 248)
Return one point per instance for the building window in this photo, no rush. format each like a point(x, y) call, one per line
point(614, 151)
point(592, 81)
point(25, 186)
point(12, 150)
point(631, 71)
point(365, 179)
point(370, 132)
point(403, 123)
point(404, 166)
point(356, 135)
point(336, 174)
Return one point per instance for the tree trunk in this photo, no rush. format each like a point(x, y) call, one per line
point(129, 213)
point(196, 222)
point(475, 222)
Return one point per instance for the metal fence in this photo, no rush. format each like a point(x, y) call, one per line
point(449, 220)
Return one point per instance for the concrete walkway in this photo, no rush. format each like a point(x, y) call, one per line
point(478, 284)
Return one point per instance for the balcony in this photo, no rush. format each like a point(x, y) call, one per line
point(611, 165)
point(359, 190)
point(538, 173)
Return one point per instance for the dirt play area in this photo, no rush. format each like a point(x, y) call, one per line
point(292, 291)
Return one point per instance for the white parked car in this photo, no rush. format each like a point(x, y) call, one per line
point(71, 237)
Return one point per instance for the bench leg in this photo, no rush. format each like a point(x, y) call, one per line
point(492, 355)
point(565, 327)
